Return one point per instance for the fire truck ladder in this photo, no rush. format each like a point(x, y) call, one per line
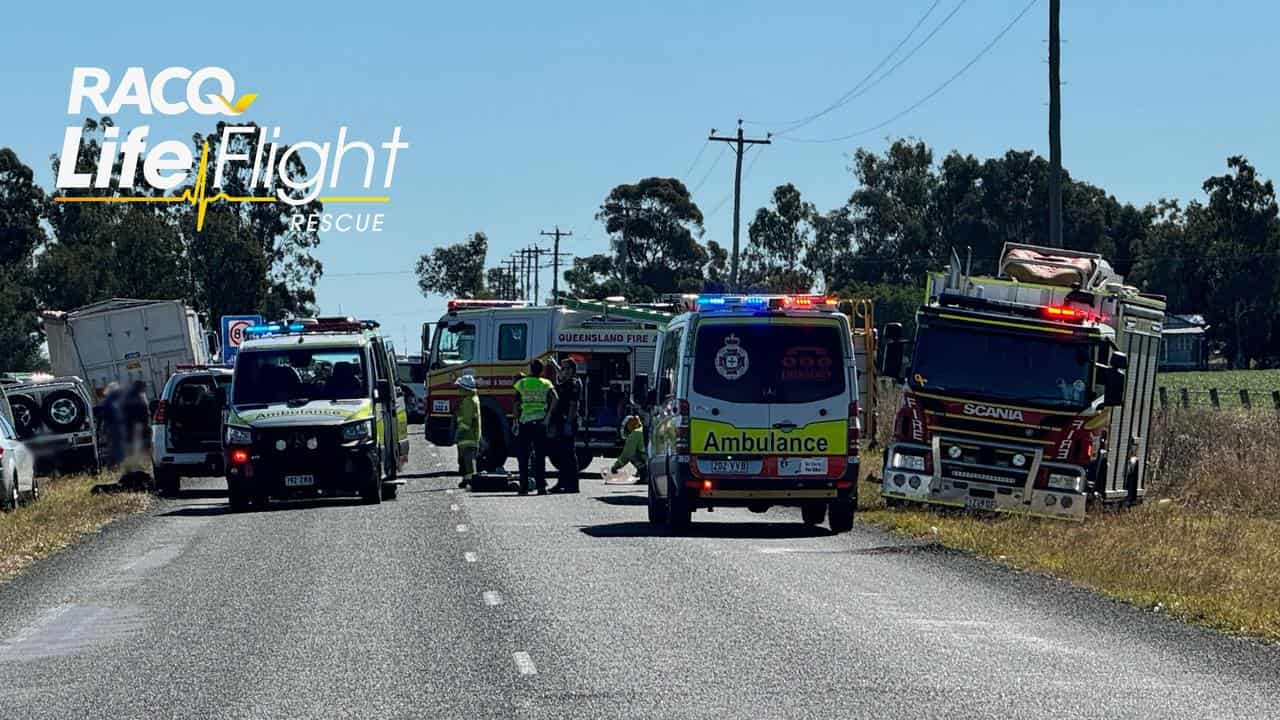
point(610, 310)
point(862, 320)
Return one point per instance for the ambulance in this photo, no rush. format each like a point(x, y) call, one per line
point(494, 341)
point(313, 411)
point(754, 403)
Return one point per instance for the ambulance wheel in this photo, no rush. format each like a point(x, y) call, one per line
point(840, 515)
point(166, 482)
point(813, 513)
point(372, 492)
point(237, 497)
point(679, 512)
point(657, 513)
point(493, 450)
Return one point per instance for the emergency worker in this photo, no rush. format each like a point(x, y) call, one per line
point(562, 428)
point(534, 394)
point(467, 428)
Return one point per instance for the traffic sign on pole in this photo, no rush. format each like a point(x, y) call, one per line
point(233, 327)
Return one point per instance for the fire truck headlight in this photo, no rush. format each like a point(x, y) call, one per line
point(1019, 460)
point(954, 452)
point(1070, 483)
point(909, 462)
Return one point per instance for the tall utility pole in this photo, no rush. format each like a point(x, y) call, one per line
point(555, 260)
point(509, 279)
point(1055, 128)
point(740, 142)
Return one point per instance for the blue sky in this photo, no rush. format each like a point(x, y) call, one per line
point(523, 115)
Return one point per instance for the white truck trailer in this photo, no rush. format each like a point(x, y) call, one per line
point(122, 340)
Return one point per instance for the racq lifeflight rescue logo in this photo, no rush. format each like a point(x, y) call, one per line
point(169, 164)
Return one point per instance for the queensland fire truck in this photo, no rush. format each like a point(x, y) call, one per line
point(1028, 392)
point(494, 341)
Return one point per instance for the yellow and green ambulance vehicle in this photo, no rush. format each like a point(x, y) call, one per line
point(754, 403)
point(314, 411)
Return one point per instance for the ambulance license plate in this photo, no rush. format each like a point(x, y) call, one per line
point(802, 466)
point(726, 467)
point(980, 503)
point(299, 480)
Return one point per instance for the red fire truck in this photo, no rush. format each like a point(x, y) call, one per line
point(1027, 392)
point(494, 340)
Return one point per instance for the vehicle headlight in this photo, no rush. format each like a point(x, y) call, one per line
point(239, 435)
point(910, 462)
point(1019, 460)
point(1058, 481)
point(954, 452)
point(357, 430)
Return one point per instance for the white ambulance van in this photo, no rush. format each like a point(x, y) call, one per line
point(754, 403)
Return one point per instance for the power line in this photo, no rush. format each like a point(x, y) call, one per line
point(973, 61)
point(857, 90)
point(711, 169)
point(696, 158)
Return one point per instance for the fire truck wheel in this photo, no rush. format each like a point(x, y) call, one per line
point(813, 513)
point(493, 452)
point(840, 515)
point(63, 410)
point(26, 417)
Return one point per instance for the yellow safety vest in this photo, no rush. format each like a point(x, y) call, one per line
point(533, 398)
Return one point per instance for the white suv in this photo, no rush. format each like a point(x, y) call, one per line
point(186, 428)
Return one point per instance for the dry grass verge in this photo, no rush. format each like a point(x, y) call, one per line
point(1205, 547)
point(66, 511)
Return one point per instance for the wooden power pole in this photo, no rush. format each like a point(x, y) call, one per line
point(1055, 128)
point(740, 143)
point(555, 260)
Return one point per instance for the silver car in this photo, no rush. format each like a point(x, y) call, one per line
point(17, 469)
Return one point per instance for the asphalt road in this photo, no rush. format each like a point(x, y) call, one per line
point(449, 604)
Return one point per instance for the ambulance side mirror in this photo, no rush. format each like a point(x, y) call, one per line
point(640, 389)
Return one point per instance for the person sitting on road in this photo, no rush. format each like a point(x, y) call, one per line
point(632, 448)
point(467, 428)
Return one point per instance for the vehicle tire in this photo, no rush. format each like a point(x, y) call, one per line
point(840, 514)
point(679, 512)
point(372, 493)
point(167, 482)
point(64, 411)
point(9, 502)
point(237, 497)
point(493, 449)
point(657, 509)
point(813, 513)
point(390, 491)
point(26, 415)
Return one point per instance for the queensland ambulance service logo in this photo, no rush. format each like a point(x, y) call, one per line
point(166, 165)
point(732, 362)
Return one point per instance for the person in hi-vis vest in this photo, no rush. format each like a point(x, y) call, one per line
point(534, 394)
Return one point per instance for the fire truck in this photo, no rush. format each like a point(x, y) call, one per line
point(1028, 392)
point(494, 341)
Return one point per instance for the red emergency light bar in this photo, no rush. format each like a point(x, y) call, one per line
point(1067, 314)
point(457, 304)
point(808, 301)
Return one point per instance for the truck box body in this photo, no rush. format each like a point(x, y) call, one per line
point(122, 341)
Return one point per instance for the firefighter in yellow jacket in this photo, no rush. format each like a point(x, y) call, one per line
point(467, 428)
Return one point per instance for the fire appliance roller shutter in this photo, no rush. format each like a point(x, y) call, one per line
point(644, 361)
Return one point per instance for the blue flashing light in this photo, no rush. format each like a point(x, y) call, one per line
point(296, 327)
point(710, 300)
point(755, 300)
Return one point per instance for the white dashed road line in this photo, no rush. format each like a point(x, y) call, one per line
point(491, 598)
point(469, 556)
point(524, 663)
point(462, 528)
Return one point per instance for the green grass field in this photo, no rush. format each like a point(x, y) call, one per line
point(1259, 383)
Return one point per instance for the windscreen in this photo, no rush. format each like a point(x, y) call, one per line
point(769, 363)
point(1019, 368)
point(298, 375)
point(411, 371)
